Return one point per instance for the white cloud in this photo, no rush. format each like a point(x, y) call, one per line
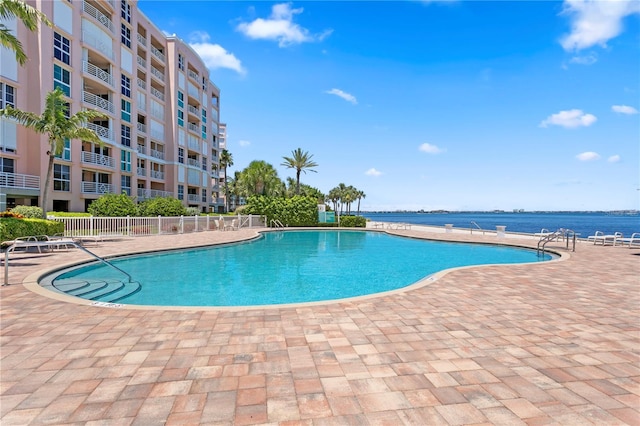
point(569, 119)
point(244, 143)
point(613, 159)
point(589, 59)
point(373, 172)
point(430, 149)
point(624, 109)
point(280, 27)
point(588, 156)
point(344, 95)
point(214, 55)
point(595, 21)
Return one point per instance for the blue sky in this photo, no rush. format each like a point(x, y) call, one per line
point(457, 105)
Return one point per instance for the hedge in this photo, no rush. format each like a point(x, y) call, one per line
point(12, 228)
point(294, 211)
point(353, 222)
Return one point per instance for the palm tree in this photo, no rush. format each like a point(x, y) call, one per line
point(57, 126)
point(301, 161)
point(226, 160)
point(29, 17)
point(260, 178)
point(360, 195)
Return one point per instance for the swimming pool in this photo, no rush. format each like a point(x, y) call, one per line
point(278, 268)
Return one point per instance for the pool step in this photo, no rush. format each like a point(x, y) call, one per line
point(100, 290)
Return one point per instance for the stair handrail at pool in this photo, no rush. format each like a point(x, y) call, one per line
point(560, 233)
point(473, 222)
point(52, 244)
point(275, 223)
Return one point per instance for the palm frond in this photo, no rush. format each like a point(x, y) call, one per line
point(29, 15)
point(8, 40)
point(26, 118)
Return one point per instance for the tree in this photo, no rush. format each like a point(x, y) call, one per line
point(259, 178)
point(113, 205)
point(226, 160)
point(29, 16)
point(360, 195)
point(301, 161)
point(57, 126)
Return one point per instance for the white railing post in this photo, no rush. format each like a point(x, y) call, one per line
point(159, 224)
point(181, 224)
point(91, 225)
point(195, 223)
point(128, 226)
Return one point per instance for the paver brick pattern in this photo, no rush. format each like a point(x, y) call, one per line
point(550, 343)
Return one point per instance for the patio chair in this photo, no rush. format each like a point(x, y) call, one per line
point(597, 237)
point(633, 241)
point(611, 239)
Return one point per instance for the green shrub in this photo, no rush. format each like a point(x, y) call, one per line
point(68, 214)
point(192, 211)
point(10, 214)
point(294, 211)
point(113, 205)
point(12, 228)
point(28, 211)
point(162, 206)
point(353, 222)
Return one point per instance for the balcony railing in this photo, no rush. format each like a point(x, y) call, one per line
point(141, 171)
point(141, 149)
point(157, 53)
point(97, 15)
point(142, 128)
point(141, 83)
point(192, 127)
point(193, 198)
point(89, 68)
point(93, 41)
point(193, 110)
point(157, 154)
point(97, 159)
point(158, 94)
point(155, 174)
point(97, 101)
point(96, 188)
point(193, 162)
point(141, 61)
point(193, 75)
point(17, 180)
point(145, 194)
point(141, 39)
point(193, 145)
point(157, 73)
point(105, 133)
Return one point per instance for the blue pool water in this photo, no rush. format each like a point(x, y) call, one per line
point(291, 267)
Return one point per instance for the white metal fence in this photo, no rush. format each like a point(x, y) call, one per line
point(140, 226)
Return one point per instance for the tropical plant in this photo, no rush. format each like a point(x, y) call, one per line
point(259, 178)
point(305, 190)
point(113, 205)
point(360, 195)
point(29, 16)
point(28, 211)
point(226, 160)
point(58, 126)
point(162, 206)
point(301, 161)
point(294, 211)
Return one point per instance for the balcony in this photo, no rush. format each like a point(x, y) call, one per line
point(145, 194)
point(157, 53)
point(97, 159)
point(158, 94)
point(141, 149)
point(157, 154)
point(141, 61)
point(96, 188)
point(193, 162)
point(193, 127)
point(97, 15)
point(19, 181)
point(157, 73)
point(192, 110)
point(141, 39)
point(93, 41)
point(141, 171)
point(157, 135)
point(193, 198)
point(97, 102)
point(193, 145)
point(155, 174)
point(142, 127)
point(141, 83)
point(194, 75)
point(105, 134)
point(100, 74)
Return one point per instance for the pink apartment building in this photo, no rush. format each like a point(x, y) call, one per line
point(161, 131)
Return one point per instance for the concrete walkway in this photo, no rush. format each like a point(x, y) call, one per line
point(548, 343)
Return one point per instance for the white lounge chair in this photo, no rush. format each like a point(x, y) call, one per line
point(611, 239)
point(597, 237)
point(633, 241)
point(543, 233)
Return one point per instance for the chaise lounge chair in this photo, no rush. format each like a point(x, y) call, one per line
point(611, 239)
point(633, 241)
point(597, 237)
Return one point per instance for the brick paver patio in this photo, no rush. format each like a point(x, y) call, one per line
point(551, 343)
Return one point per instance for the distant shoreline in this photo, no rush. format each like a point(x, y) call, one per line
point(617, 212)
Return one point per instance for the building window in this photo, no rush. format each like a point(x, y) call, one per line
point(126, 110)
point(180, 61)
point(180, 118)
point(204, 131)
point(61, 48)
point(125, 85)
point(7, 165)
point(204, 83)
point(125, 135)
point(67, 110)
point(181, 155)
point(204, 195)
point(61, 178)
point(204, 115)
point(180, 192)
point(66, 151)
point(204, 163)
point(125, 161)
point(125, 184)
point(180, 99)
point(125, 11)
point(62, 79)
point(125, 35)
point(7, 96)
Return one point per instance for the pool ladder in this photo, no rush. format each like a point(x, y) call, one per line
point(275, 223)
point(565, 234)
